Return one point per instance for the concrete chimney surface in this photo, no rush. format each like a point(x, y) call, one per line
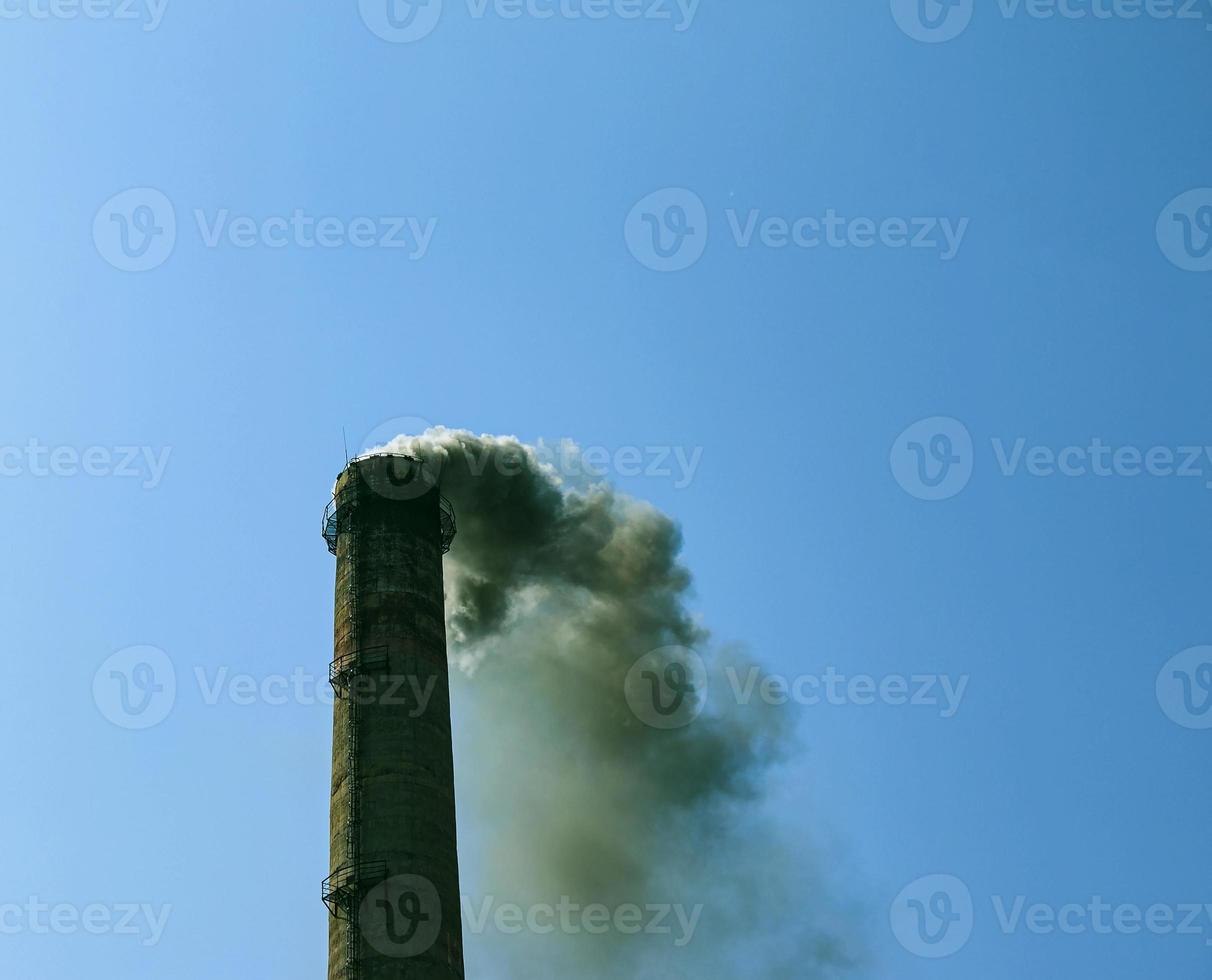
point(394, 888)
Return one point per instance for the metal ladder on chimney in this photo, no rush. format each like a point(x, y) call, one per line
point(353, 775)
point(344, 889)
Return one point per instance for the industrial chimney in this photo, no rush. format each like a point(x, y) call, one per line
point(393, 890)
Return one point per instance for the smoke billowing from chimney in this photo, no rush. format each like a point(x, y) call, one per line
point(553, 593)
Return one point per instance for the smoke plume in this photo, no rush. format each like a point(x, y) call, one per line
point(555, 589)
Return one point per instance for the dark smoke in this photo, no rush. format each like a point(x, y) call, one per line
point(553, 593)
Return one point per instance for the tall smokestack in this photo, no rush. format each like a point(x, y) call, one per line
point(393, 890)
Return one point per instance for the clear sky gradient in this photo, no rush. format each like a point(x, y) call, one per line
point(538, 307)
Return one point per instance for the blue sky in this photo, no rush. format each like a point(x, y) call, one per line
point(541, 155)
